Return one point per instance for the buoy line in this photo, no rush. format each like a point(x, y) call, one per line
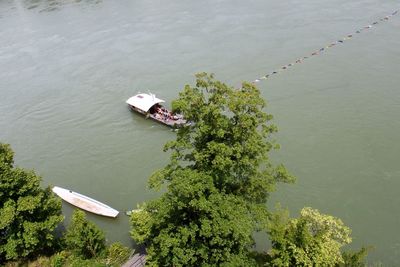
point(323, 49)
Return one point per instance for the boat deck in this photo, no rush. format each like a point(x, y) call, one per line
point(167, 121)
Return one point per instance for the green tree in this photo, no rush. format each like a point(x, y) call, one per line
point(355, 258)
point(28, 213)
point(229, 139)
point(193, 224)
point(218, 179)
point(84, 237)
point(313, 239)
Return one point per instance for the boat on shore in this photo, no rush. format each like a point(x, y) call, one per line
point(85, 202)
point(150, 106)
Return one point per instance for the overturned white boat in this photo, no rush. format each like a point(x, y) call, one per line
point(150, 106)
point(84, 202)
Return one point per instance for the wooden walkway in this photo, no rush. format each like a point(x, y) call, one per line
point(138, 260)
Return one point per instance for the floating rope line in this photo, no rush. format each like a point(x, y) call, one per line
point(323, 49)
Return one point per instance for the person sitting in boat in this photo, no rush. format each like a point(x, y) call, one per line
point(165, 116)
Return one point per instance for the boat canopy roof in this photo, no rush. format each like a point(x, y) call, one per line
point(144, 101)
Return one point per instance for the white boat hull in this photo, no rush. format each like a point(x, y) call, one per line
point(85, 203)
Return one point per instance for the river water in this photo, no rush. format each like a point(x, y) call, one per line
point(67, 67)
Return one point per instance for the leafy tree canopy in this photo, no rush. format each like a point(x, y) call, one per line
point(313, 239)
point(193, 224)
point(356, 258)
point(84, 237)
point(28, 213)
point(218, 179)
point(229, 139)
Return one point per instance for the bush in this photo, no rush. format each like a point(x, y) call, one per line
point(117, 254)
point(84, 237)
point(29, 214)
point(59, 259)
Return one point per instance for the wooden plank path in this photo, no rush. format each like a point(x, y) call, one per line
point(138, 260)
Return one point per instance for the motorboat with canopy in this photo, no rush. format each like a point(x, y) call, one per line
point(150, 106)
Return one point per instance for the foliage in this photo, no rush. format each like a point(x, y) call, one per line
point(59, 259)
point(42, 261)
point(28, 213)
point(355, 258)
point(193, 224)
point(229, 139)
point(313, 239)
point(68, 259)
point(77, 261)
point(218, 179)
point(117, 254)
point(84, 237)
